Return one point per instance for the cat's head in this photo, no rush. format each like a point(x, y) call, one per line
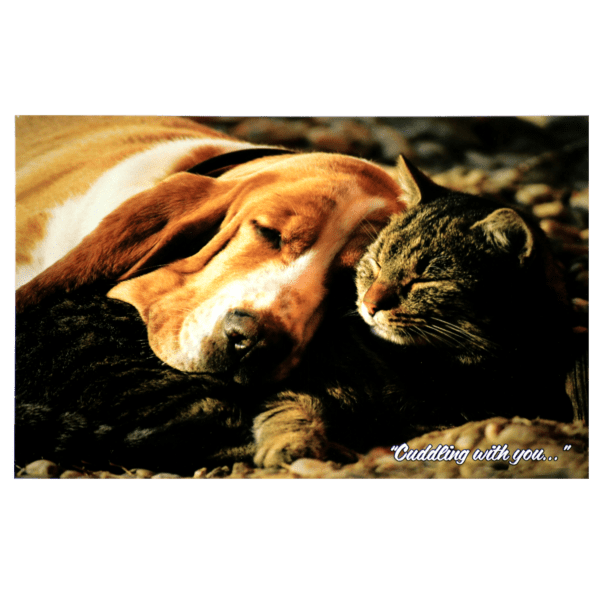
point(454, 271)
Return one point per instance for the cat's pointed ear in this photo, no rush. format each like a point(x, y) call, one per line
point(506, 230)
point(416, 186)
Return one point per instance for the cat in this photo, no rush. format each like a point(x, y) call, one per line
point(462, 315)
point(476, 322)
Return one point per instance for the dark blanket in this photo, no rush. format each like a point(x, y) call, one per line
point(89, 388)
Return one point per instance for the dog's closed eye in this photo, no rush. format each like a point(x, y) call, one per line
point(273, 236)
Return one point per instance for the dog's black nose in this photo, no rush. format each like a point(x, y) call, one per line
point(242, 329)
point(253, 345)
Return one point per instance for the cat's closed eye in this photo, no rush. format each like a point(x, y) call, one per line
point(374, 266)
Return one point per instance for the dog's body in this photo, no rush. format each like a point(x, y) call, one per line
point(67, 181)
point(230, 275)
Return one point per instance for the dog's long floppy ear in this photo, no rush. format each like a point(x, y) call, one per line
point(416, 186)
point(177, 215)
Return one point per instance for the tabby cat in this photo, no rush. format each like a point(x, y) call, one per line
point(470, 320)
point(476, 323)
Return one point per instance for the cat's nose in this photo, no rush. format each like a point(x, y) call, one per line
point(380, 297)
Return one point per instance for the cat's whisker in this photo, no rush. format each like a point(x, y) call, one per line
point(408, 333)
point(428, 335)
point(443, 337)
point(370, 229)
point(452, 340)
point(451, 334)
point(471, 335)
point(476, 340)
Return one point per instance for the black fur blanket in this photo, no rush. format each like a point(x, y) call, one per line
point(89, 388)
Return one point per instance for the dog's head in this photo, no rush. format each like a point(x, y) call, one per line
point(231, 274)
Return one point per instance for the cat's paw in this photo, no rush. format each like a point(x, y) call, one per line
point(287, 447)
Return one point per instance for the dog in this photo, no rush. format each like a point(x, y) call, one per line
point(227, 250)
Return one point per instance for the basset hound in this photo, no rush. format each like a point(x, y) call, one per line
point(226, 249)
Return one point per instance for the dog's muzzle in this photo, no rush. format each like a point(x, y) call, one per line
point(249, 346)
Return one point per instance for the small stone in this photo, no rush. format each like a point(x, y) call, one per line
point(583, 278)
point(310, 468)
point(143, 473)
point(517, 434)
point(480, 160)
point(201, 473)
point(343, 136)
point(560, 231)
point(240, 470)
point(392, 143)
point(382, 465)
point(580, 305)
point(470, 181)
point(539, 121)
point(69, 474)
point(377, 455)
point(166, 476)
point(554, 209)
point(535, 193)
point(430, 151)
point(580, 200)
point(218, 472)
point(501, 179)
point(491, 432)
point(469, 439)
point(325, 138)
point(271, 131)
point(44, 469)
